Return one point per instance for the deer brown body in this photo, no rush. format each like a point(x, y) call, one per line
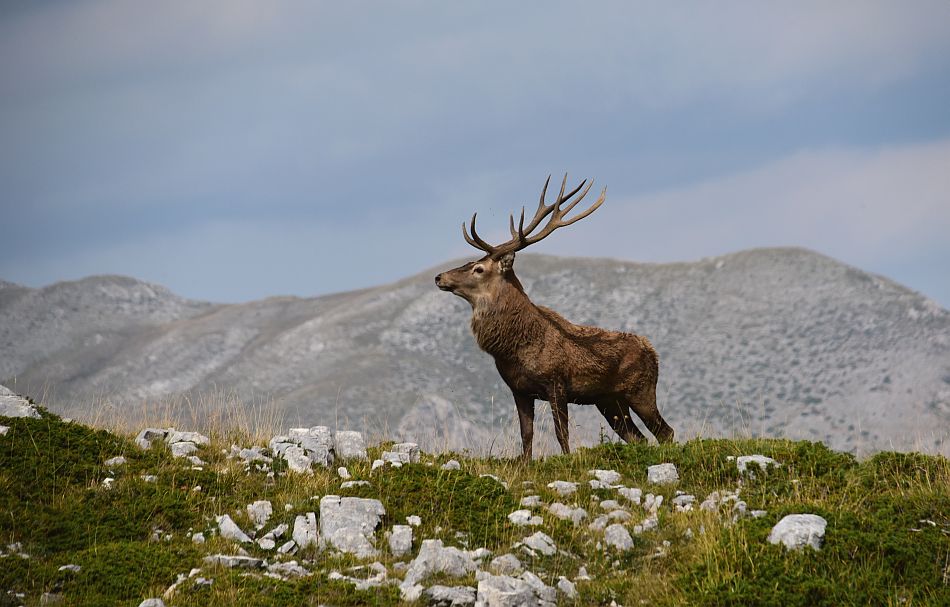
point(540, 355)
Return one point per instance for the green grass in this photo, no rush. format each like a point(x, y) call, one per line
point(887, 541)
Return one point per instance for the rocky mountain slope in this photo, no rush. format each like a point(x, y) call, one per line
point(771, 342)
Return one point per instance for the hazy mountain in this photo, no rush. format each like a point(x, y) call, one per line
point(778, 342)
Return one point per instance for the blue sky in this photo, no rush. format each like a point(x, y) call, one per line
point(236, 150)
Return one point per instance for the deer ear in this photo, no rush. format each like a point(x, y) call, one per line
point(506, 262)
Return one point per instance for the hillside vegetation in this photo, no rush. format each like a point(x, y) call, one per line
point(887, 540)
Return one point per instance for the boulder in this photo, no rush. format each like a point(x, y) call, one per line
point(183, 448)
point(400, 540)
point(12, 405)
point(451, 465)
point(617, 536)
point(540, 542)
point(504, 591)
point(796, 531)
point(112, 462)
point(743, 463)
point(563, 488)
point(348, 523)
point(305, 530)
point(632, 494)
point(349, 444)
point(410, 449)
point(607, 477)
point(566, 513)
point(230, 530)
point(233, 561)
point(259, 512)
point(297, 459)
point(506, 564)
point(521, 518)
point(449, 596)
point(146, 437)
point(434, 558)
point(178, 436)
point(662, 474)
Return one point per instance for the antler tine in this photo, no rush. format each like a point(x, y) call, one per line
point(511, 224)
point(476, 240)
point(574, 202)
point(590, 209)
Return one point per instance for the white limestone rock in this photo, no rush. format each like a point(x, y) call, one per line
point(233, 561)
point(400, 540)
point(259, 512)
point(12, 405)
point(178, 436)
point(183, 448)
point(540, 542)
point(504, 591)
point(683, 502)
point(349, 445)
point(352, 484)
point(795, 531)
point(230, 530)
point(506, 564)
point(563, 488)
point(743, 463)
point(449, 596)
point(616, 535)
point(451, 465)
point(631, 494)
point(348, 523)
point(523, 518)
point(433, 558)
point(607, 477)
point(567, 587)
point(662, 474)
point(530, 501)
point(113, 462)
point(377, 576)
point(297, 459)
point(566, 513)
point(410, 449)
point(145, 438)
point(545, 594)
point(305, 530)
point(4, 430)
point(414, 520)
point(286, 571)
point(153, 602)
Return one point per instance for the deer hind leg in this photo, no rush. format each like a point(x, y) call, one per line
point(561, 428)
point(617, 415)
point(644, 405)
point(525, 405)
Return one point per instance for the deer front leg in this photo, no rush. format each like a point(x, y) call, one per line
point(525, 405)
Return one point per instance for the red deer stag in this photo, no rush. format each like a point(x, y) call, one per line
point(539, 354)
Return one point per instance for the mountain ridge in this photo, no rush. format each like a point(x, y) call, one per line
point(767, 341)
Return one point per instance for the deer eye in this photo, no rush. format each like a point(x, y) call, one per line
point(478, 269)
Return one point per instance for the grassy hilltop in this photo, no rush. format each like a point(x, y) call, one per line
point(887, 540)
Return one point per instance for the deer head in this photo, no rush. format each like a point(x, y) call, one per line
point(482, 280)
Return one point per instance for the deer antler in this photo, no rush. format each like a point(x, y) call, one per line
point(522, 237)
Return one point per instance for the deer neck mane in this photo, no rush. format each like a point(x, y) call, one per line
point(505, 320)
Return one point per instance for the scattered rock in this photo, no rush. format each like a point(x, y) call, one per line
point(434, 558)
point(12, 405)
point(260, 512)
point(152, 603)
point(563, 488)
point(504, 591)
point(377, 463)
point(540, 542)
point(607, 477)
point(146, 437)
point(376, 578)
point(652, 503)
point(545, 594)
point(506, 564)
point(530, 501)
point(567, 587)
point(72, 568)
point(230, 530)
point(795, 531)
point(198, 538)
point(413, 520)
point(763, 462)
point(617, 536)
point(400, 540)
point(610, 505)
point(177, 436)
point(288, 547)
point(494, 478)
point(684, 502)
point(4, 430)
point(343, 473)
point(233, 561)
point(297, 459)
point(523, 517)
point(410, 449)
point(395, 457)
point(305, 530)
point(348, 523)
point(288, 570)
point(662, 474)
point(450, 596)
point(451, 465)
point(183, 448)
point(349, 445)
point(114, 461)
point(632, 494)
point(566, 513)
